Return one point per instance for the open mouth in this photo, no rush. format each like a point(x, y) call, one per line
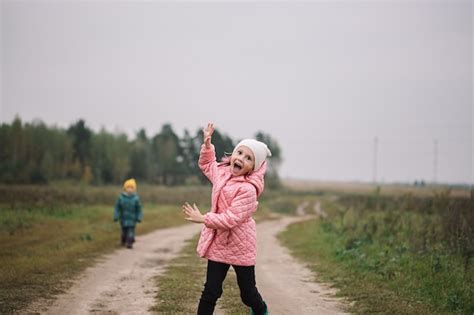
point(237, 166)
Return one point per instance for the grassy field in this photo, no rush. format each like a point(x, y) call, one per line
point(49, 234)
point(393, 254)
point(40, 247)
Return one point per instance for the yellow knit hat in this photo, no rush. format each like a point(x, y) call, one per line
point(130, 182)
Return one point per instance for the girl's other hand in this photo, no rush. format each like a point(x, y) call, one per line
point(192, 213)
point(207, 132)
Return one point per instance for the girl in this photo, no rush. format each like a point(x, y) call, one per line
point(228, 236)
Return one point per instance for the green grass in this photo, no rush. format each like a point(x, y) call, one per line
point(315, 246)
point(40, 248)
point(381, 273)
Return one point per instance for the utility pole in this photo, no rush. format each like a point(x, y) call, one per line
point(374, 169)
point(435, 160)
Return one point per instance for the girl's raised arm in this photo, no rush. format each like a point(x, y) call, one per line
point(207, 156)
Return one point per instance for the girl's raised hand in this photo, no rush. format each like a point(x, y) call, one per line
point(207, 132)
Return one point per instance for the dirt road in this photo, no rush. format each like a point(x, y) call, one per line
point(121, 283)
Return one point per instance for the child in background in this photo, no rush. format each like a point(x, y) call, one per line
point(128, 210)
point(228, 236)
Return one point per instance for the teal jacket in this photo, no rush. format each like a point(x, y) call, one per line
point(128, 209)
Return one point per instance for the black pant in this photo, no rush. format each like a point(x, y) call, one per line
point(216, 273)
point(128, 235)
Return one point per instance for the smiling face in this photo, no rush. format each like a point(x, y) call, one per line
point(242, 161)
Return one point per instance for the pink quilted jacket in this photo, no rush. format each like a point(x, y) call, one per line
point(229, 231)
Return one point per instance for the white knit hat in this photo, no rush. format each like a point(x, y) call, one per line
point(259, 149)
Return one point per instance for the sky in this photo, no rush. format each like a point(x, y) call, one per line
point(324, 78)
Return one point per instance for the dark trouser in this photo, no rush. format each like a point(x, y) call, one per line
point(216, 273)
point(128, 235)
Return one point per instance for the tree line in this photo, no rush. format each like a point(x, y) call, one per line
point(34, 153)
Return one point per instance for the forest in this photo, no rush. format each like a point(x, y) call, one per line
point(34, 153)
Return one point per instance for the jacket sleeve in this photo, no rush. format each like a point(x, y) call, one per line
point(207, 162)
point(139, 210)
point(117, 210)
point(241, 208)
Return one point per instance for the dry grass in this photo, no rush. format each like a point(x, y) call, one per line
point(367, 188)
point(67, 194)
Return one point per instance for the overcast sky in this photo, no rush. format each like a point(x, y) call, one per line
point(324, 78)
